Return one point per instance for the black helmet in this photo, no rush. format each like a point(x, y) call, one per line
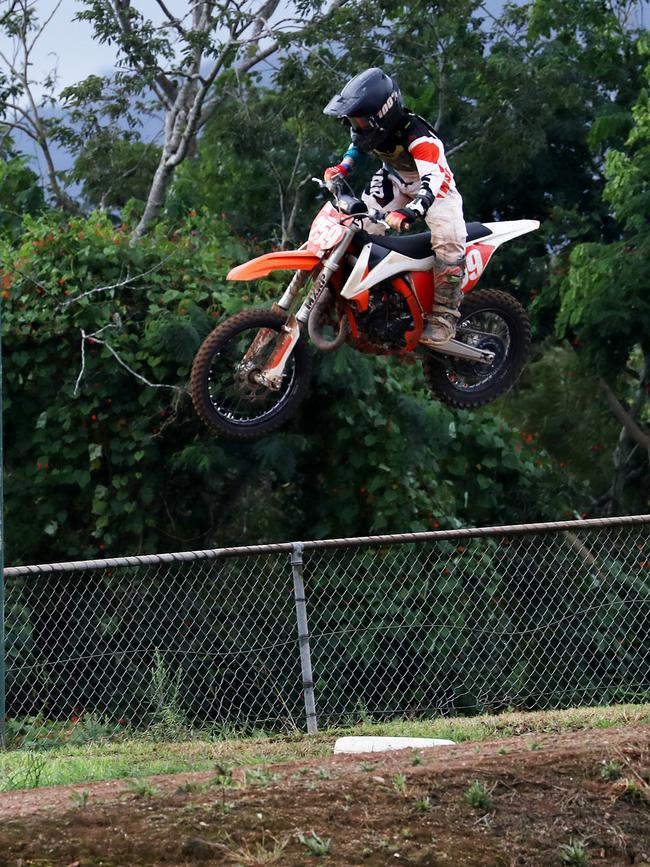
point(372, 104)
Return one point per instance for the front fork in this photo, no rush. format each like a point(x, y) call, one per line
point(273, 371)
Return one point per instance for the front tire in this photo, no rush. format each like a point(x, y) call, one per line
point(492, 320)
point(226, 398)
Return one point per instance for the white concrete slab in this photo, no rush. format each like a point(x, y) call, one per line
point(376, 744)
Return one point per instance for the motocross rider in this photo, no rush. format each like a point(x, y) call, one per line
point(414, 181)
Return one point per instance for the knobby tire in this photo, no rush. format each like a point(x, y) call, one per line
point(436, 367)
point(215, 342)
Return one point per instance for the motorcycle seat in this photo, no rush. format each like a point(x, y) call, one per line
point(476, 231)
point(419, 246)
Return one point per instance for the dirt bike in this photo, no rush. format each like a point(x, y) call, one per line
point(368, 291)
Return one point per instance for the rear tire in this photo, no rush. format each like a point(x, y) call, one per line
point(232, 405)
point(492, 320)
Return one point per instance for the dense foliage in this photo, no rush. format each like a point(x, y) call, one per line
point(103, 451)
point(545, 116)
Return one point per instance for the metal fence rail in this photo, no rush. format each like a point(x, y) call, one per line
point(282, 636)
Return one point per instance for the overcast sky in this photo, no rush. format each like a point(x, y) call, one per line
point(68, 44)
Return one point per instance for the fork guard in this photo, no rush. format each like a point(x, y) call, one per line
point(282, 260)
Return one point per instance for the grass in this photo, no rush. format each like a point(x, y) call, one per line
point(611, 770)
point(477, 796)
point(314, 844)
point(574, 853)
point(261, 854)
point(141, 789)
point(423, 805)
point(143, 757)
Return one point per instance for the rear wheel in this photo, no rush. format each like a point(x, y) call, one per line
point(490, 320)
point(224, 391)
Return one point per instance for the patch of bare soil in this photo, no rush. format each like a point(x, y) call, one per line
point(576, 798)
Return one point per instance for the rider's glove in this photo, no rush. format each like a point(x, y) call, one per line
point(402, 219)
point(333, 172)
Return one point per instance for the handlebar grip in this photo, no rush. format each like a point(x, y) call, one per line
point(337, 183)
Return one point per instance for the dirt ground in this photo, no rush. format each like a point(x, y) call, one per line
point(542, 800)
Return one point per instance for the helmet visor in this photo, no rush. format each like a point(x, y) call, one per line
point(361, 124)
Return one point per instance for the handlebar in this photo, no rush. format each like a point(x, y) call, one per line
point(321, 183)
point(335, 187)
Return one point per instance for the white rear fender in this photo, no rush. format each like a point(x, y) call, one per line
point(506, 231)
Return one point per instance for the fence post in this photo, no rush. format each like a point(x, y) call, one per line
point(303, 637)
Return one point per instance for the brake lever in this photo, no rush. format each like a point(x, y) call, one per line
point(333, 186)
point(378, 217)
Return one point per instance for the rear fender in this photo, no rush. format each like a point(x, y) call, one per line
point(477, 257)
point(479, 253)
point(282, 260)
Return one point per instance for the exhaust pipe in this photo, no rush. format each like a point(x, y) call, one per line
point(314, 324)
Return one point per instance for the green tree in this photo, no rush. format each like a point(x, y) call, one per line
point(20, 192)
point(179, 68)
point(420, 464)
point(114, 169)
point(22, 109)
point(372, 453)
point(183, 66)
point(255, 162)
point(604, 304)
point(103, 452)
point(580, 433)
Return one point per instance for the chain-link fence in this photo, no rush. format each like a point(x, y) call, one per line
point(282, 636)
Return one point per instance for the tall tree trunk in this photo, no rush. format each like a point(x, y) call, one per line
point(190, 105)
point(157, 196)
point(632, 453)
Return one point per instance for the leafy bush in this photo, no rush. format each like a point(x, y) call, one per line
point(100, 435)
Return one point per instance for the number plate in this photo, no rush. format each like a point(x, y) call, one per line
point(326, 230)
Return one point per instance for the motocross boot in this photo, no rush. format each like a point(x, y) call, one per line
point(440, 324)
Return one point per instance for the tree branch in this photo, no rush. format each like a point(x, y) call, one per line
point(35, 129)
point(441, 88)
point(119, 285)
point(457, 148)
point(93, 338)
point(176, 24)
point(193, 105)
point(625, 418)
point(262, 18)
point(39, 31)
point(505, 31)
point(119, 8)
point(7, 15)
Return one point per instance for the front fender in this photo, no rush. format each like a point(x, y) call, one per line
point(283, 260)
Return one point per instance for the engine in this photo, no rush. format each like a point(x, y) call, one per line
point(387, 318)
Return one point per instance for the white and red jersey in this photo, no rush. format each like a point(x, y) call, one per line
point(413, 153)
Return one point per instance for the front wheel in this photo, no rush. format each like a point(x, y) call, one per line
point(491, 320)
point(224, 391)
